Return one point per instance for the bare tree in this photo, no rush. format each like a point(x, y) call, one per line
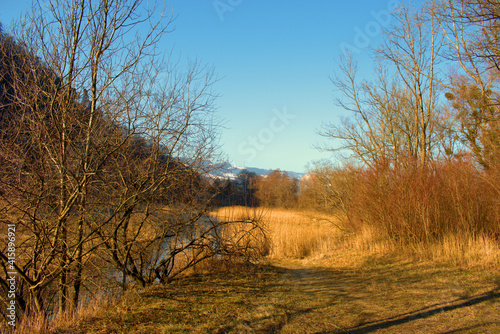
point(470, 29)
point(276, 189)
point(483, 16)
point(394, 115)
point(104, 148)
point(326, 187)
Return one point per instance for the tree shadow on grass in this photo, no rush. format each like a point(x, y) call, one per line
point(318, 300)
point(423, 313)
point(382, 296)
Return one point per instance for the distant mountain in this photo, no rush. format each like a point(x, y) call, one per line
point(229, 171)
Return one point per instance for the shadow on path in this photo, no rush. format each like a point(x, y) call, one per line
point(389, 298)
point(423, 313)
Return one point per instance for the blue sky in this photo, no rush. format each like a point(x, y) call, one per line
point(274, 60)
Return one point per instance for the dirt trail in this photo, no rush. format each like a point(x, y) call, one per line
point(388, 298)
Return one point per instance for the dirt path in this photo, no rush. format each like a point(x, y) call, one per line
point(388, 298)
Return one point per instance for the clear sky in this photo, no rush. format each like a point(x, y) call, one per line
point(274, 59)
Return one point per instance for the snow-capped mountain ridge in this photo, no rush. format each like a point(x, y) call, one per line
point(231, 172)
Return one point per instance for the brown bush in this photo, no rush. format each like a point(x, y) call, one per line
point(410, 203)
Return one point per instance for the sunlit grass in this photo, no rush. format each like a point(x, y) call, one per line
point(302, 234)
point(294, 296)
point(291, 234)
point(331, 277)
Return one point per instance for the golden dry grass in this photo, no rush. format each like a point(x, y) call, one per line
point(301, 234)
point(464, 251)
point(291, 234)
point(297, 296)
point(322, 278)
point(35, 324)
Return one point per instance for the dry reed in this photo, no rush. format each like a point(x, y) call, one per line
point(300, 234)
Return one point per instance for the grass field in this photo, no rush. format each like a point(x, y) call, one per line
point(309, 234)
point(317, 278)
point(293, 297)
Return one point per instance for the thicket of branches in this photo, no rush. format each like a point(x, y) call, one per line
point(423, 137)
point(104, 150)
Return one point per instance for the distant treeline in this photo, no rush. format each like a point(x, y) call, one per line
point(276, 189)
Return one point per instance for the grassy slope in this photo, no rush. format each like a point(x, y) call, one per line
point(341, 285)
point(304, 297)
point(388, 297)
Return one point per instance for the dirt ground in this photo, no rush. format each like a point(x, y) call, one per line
point(389, 298)
point(304, 296)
